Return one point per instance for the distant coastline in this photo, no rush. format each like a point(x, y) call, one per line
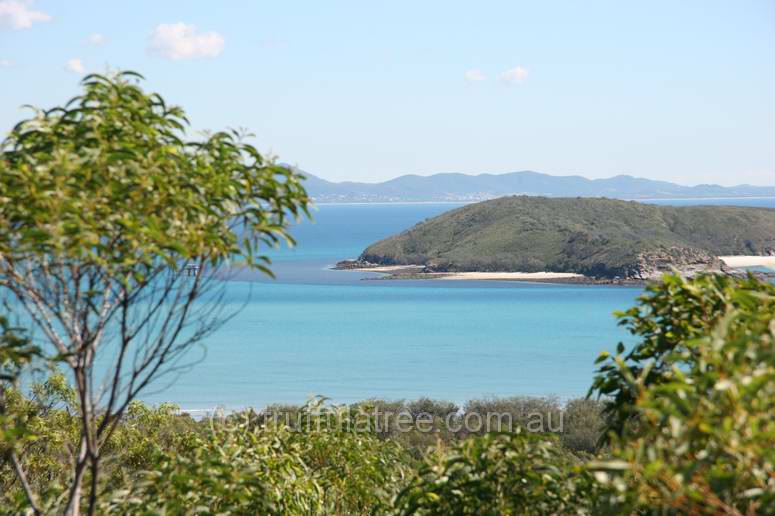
point(636, 199)
point(466, 188)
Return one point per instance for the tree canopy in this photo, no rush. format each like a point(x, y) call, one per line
point(112, 178)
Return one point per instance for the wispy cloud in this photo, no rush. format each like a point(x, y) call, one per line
point(515, 75)
point(75, 65)
point(18, 14)
point(475, 75)
point(182, 41)
point(97, 39)
point(6, 63)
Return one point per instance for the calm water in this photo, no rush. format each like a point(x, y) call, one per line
point(318, 331)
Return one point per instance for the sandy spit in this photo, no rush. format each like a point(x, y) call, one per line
point(514, 276)
point(749, 261)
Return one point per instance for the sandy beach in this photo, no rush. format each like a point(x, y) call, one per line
point(513, 276)
point(749, 261)
point(417, 271)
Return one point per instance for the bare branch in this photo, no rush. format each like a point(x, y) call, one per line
point(31, 498)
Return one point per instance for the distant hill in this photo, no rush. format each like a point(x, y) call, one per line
point(601, 238)
point(462, 187)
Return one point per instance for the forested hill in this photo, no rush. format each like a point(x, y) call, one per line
point(464, 187)
point(595, 237)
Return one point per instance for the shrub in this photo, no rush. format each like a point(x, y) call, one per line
point(536, 414)
point(240, 466)
point(517, 473)
point(668, 317)
point(700, 434)
point(583, 425)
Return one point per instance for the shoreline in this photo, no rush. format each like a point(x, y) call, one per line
point(511, 276)
point(419, 272)
point(637, 199)
point(738, 264)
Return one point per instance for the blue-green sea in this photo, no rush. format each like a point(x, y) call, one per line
point(315, 331)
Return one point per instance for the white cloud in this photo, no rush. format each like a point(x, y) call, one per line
point(475, 75)
point(18, 14)
point(182, 41)
point(97, 39)
point(75, 65)
point(515, 75)
point(6, 63)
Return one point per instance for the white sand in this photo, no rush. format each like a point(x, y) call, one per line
point(509, 275)
point(749, 261)
point(514, 276)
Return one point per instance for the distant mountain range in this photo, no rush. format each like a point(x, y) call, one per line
point(463, 187)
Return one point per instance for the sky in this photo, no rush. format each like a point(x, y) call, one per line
point(681, 91)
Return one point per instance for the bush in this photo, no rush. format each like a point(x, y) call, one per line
point(669, 316)
point(241, 466)
point(517, 473)
point(583, 425)
point(535, 414)
point(700, 434)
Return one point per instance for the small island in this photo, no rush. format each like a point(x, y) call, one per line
point(576, 240)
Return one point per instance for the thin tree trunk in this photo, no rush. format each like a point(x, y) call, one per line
point(94, 466)
point(74, 501)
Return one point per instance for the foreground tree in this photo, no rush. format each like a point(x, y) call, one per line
point(691, 420)
point(115, 232)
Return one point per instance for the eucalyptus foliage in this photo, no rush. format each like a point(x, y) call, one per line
point(113, 179)
point(241, 466)
point(516, 473)
point(666, 322)
point(692, 420)
point(104, 202)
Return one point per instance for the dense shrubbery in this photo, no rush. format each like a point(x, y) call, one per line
point(314, 458)
point(499, 473)
point(235, 466)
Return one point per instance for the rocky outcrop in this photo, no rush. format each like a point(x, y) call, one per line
point(355, 264)
point(653, 264)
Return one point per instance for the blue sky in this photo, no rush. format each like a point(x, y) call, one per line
point(674, 90)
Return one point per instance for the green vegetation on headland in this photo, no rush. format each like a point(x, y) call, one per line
point(600, 238)
point(684, 426)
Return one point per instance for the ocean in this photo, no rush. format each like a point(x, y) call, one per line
point(316, 331)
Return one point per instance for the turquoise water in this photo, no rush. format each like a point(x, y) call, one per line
point(318, 331)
